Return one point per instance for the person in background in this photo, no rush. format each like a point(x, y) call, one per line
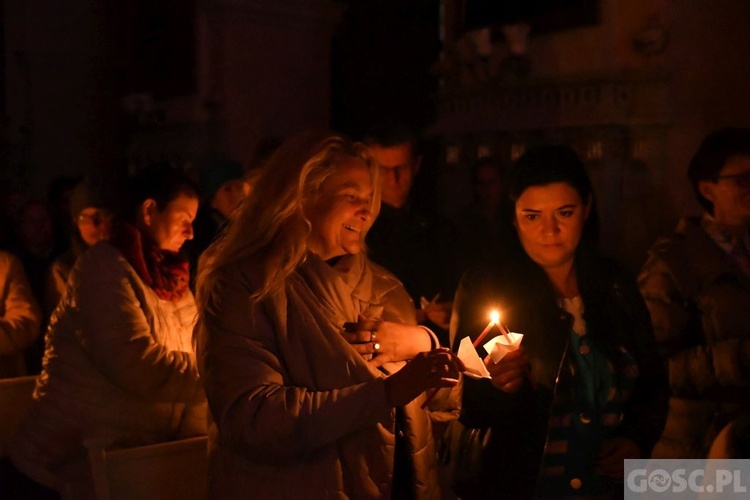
point(249, 179)
point(222, 182)
point(263, 151)
point(20, 318)
point(223, 190)
point(483, 231)
point(409, 238)
point(91, 223)
point(119, 367)
point(304, 342)
point(37, 250)
point(696, 283)
point(59, 192)
point(586, 389)
point(36, 247)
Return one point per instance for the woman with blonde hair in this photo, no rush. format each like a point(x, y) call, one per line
point(303, 342)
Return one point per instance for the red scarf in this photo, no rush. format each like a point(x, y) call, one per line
point(166, 273)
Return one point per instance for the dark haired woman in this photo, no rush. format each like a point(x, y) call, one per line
point(119, 367)
point(585, 390)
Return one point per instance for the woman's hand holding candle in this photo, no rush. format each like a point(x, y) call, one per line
point(494, 320)
point(509, 373)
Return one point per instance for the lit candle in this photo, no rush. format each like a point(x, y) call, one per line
point(494, 320)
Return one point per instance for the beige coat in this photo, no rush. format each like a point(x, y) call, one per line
point(700, 308)
point(298, 412)
point(118, 369)
point(19, 316)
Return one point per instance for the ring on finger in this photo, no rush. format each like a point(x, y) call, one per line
point(373, 336)
point(376, 346)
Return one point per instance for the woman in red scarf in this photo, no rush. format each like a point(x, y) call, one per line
point(119, 368)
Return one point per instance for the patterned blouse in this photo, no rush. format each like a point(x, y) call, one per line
point(591, 388)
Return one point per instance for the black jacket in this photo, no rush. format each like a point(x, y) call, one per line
point(614, 313)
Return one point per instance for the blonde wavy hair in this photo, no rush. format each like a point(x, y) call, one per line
point(271, 226)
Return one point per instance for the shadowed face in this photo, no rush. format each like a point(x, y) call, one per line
point(94, 224)
point(340, 214)
point(398, 167)
point(228, 197)
point(36, 227)
point(550, 219)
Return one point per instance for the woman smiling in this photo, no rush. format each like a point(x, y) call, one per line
point(310, 353)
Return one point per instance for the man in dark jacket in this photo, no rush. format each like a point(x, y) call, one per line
point(409, 238)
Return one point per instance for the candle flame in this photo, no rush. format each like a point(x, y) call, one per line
point(495, 316)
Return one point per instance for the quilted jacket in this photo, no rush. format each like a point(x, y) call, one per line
point(298, 412)
point(118, 370)
point(700, 308)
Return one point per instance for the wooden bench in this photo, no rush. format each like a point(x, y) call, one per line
point(163, 471)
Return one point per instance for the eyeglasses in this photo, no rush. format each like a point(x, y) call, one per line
point(96, 218)
point(742, 180)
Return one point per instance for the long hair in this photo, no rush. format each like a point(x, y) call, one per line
point(271, 226)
